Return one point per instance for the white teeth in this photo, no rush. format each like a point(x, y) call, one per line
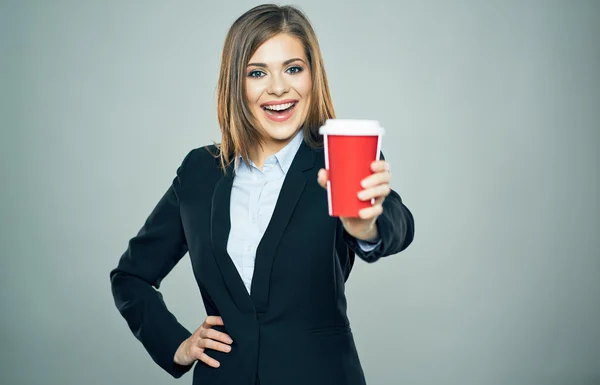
point(279, 107)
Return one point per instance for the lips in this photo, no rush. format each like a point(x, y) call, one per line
point(278, 102)
point(279, 110)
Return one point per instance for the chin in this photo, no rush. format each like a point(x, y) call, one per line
point(280, 133)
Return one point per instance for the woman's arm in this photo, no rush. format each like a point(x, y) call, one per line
point(388, 222)
point(395, 227)
point(150, 256)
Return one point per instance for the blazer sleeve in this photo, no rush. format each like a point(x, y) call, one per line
point(395, 227)
point(150, 256)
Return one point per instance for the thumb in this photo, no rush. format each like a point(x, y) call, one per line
point(322, 177)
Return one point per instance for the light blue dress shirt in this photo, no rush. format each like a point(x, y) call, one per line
point(253, 197)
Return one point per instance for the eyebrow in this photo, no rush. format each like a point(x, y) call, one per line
point(263, 65)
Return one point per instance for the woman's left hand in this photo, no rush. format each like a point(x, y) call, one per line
point(375, 186)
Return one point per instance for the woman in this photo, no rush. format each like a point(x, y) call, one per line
point(252, 213)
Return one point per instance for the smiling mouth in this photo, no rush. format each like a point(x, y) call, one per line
point(279, 109)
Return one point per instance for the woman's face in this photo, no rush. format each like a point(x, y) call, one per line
point(278, 87)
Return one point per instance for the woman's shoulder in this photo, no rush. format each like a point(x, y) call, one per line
point(207, 153)
point(204, 158)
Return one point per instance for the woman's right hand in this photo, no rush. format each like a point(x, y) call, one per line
point(205, 337)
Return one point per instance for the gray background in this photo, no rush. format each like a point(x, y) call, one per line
point(492, 112)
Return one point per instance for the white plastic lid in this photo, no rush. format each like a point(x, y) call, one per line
point(351, 127)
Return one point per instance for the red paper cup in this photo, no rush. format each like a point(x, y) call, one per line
point(350, 148)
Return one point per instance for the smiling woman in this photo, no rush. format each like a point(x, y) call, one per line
point(276, 51)
point(270, 262)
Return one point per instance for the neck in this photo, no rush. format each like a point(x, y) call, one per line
point(269, 147)
point(260, 154)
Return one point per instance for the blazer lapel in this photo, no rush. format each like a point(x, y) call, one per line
point(289, 195)
point(219, 232)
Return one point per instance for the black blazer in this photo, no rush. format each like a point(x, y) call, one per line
point(293, 328)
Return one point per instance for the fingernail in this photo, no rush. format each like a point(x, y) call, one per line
point(229, 341)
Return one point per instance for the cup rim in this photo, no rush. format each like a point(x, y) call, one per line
point(351, 127)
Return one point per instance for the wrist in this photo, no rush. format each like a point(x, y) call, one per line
point(180, 357)
point(370, 236)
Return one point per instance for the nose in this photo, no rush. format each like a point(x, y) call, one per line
point(278, 85)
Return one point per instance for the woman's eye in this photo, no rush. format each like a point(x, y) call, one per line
point(256, 74)
point(294, 70)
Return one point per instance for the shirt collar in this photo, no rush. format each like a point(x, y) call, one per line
point(285, 156)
